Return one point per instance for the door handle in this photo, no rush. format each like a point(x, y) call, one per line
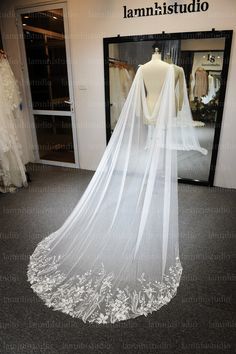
point(68, 102)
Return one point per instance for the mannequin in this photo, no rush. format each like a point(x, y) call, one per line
point(158, 68)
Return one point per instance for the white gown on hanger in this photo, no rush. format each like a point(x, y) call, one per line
point(117, 255)
point(211, 90)
point(12, 169)
point(120, 83)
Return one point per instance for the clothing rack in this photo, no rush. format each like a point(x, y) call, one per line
point(118, 60)
point(119, 63)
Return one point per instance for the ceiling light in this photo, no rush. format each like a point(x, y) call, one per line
point(55, 18)
point(24, 24)
point(26, 16)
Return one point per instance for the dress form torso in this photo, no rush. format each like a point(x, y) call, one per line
point(157, 68)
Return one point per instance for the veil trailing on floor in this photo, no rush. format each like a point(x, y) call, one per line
point(117, 256)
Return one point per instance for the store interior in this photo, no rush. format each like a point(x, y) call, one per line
point(193, 55)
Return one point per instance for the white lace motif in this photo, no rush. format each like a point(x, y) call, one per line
point(92, 296)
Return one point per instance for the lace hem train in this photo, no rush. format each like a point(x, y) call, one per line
point(92, 296)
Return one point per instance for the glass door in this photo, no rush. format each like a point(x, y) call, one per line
point(46, 58)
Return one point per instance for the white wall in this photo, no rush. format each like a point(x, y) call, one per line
point(89, 22)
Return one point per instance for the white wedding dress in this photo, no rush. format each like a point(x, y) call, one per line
point(117, 255)
point(12, 169)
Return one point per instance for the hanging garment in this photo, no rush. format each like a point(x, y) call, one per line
point(201, 83)
point(125, 81)
point(12, 169)
point(115, 95)
point(120, 83)
point(211, 90)
point(132, 73)
point(117, 255)
point(217, 83)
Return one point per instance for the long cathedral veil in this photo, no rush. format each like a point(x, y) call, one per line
point(117, 256)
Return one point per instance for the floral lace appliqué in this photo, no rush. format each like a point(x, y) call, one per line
point(92, 296)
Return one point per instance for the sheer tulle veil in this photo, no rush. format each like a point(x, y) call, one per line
point(117, 255)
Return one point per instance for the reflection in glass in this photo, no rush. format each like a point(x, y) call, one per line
point(46, 59)
point(203, 76)
point(202, 61)
point(55, 139)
